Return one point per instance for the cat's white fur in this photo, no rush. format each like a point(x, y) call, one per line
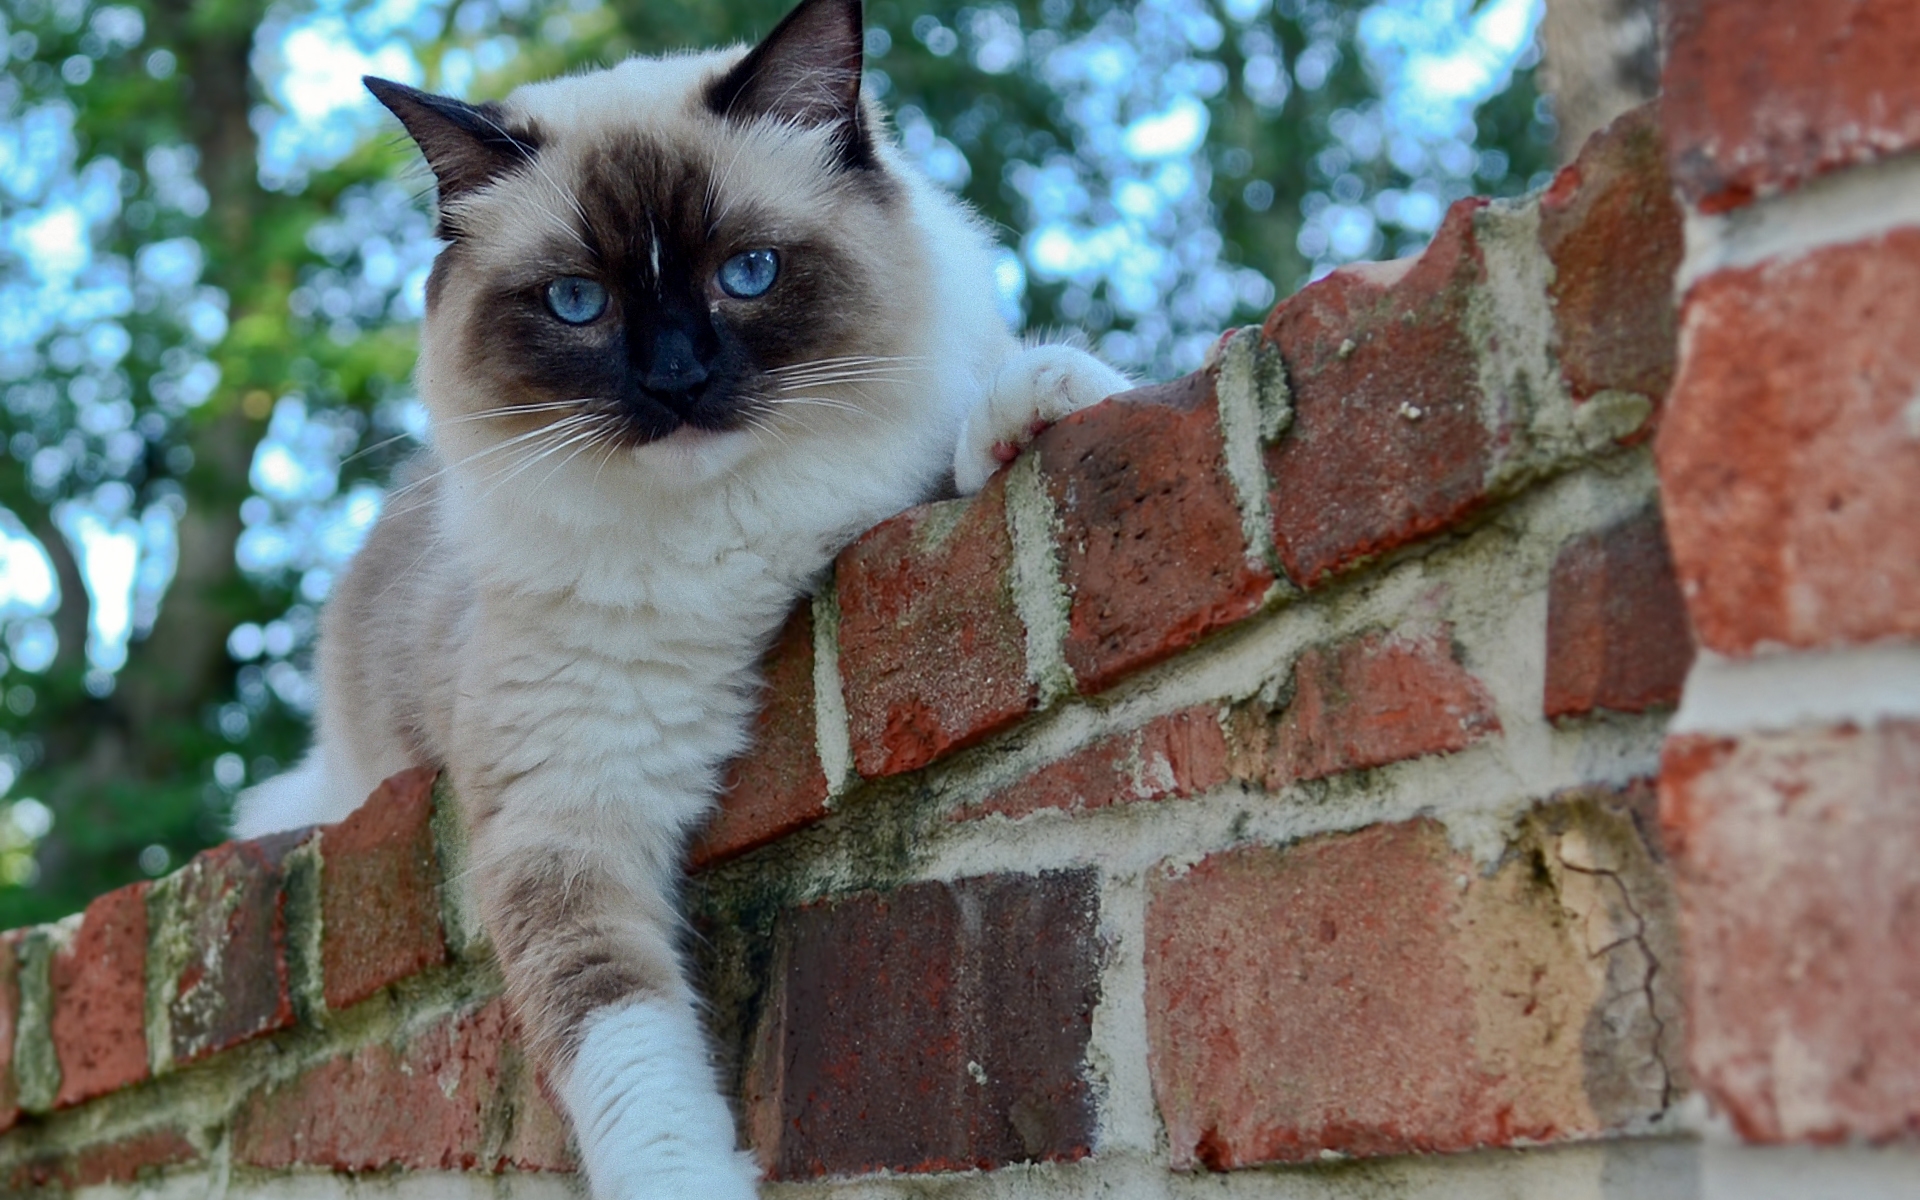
point(601, 623)
point(650, 1120)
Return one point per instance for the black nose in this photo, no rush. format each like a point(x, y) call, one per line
point(676, 368)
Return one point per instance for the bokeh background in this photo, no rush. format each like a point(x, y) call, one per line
point(213, 247)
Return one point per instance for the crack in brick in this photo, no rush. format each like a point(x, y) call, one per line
point(1637, 937)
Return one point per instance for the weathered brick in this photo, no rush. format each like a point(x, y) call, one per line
point(1617, 634)
point(125, 1161)
point(1375, 699)
point(226, 910)
point(1800, 906)
point(779, 785)
point(537, 1138)
point(1181, 754)
point(1611, 228)
point(938, 1027)
point(1389, 442)
point(1151, 543)
point(380, 891)
point(9, 1028)
point(1789, 460)
point(455, 1097)
point(1761, 95)
point(933, 655)
point(100, 998)
point(1373, 993)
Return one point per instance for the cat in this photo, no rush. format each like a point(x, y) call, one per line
point(696, 326)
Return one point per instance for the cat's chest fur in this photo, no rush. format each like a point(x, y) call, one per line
point(628, 633)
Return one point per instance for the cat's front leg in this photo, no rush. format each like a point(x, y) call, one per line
point(576, 891)
point(1035, 387)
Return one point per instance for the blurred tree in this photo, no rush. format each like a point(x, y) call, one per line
point(210, 268)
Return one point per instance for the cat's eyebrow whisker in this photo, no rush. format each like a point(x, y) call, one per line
point(712, 220)
point(533, 160)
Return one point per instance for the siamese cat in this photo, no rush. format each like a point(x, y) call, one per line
point(697, 325)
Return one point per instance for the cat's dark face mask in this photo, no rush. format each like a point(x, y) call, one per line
point(652, 296)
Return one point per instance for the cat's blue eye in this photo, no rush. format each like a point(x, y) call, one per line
point(749, 273)
point(575, 300)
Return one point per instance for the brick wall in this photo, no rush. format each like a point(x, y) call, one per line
point(1269, 786)
point(1790, 469)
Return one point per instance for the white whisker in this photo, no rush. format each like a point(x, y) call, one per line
point(586, 441)
point(562, 424)
point(820, 401)
point(382, 444)
point(544, 453)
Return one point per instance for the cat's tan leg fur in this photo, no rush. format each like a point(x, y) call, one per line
point(573, 891)
point(577, 929)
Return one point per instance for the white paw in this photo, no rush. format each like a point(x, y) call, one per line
point(1033, 389)
point(651, 1122)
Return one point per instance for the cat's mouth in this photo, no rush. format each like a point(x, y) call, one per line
point(653, 415)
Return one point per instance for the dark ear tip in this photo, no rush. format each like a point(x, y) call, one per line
point(386, 91)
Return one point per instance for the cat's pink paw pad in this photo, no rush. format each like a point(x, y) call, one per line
point(1032, 390)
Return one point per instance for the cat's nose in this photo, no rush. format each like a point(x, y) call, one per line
point(676, 367)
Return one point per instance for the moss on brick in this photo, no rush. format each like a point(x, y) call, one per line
point(36, 1069)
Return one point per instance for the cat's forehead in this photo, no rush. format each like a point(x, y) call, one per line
point(638, 142)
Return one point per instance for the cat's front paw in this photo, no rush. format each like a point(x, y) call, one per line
point(1032, 390)
point(650, 1121)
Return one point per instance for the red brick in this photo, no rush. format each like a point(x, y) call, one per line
point(1800, 906)
point(9, 1028)
point(1373, 993)
point(538, 1138)
point(1151, 543)
point(1762, 95)
point(1376, 699)
point(933, 656)
point(446, 1100)
point(234, 985)
point(1357, 474)
point(124, 1161)
point(938, 1027)
point(1617, 634)
point(1611, 228)
point(99, 1023)
point(1181, 754)
point(779, 785)
point(380, 891)
point(1789, 460)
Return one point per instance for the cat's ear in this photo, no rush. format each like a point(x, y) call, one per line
point(466, 145)
point(806, 72)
